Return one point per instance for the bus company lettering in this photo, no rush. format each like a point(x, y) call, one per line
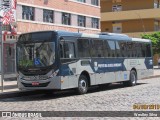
point(110, 65)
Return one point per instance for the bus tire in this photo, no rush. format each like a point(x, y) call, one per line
point(48, 92)
point(82, 85)
point(132, 80)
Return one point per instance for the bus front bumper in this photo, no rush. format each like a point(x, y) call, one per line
point(51, 83)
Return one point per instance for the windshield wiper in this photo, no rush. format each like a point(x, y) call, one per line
point(42, 43)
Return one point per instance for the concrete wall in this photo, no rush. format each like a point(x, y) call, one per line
point(106, 27)
point(106, 5)
point(146, 25)
point(58, 6)
point(137, 4)
point(137, 16)
point(138, 25)
point(65, 5)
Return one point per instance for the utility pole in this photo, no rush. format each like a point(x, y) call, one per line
point(1, 42)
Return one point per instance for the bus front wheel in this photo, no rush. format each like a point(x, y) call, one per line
point(133, 79)
point(82, 84)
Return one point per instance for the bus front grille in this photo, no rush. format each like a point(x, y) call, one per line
point(40, 84)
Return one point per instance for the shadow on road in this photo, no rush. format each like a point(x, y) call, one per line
point(46, 95)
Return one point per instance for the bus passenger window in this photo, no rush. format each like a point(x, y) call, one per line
point(139, 49)
point(123, 49)
point(143, 50)
point(61, 50)
point(69, 50)
point(97, 48)
point(148, 50)
point(129, 49)
point(118, 49)
point(112, 47)
point(83, 48)
point(106, 49)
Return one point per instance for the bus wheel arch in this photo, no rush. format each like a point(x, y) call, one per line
point(132, 78)
point(134, 69)
point(85, 73)
point(83, 82)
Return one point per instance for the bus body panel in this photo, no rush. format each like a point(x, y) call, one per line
point(65, 81)
point(101, 70)
point(53, 83)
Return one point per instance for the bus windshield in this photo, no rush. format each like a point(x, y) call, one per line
point(41, 54)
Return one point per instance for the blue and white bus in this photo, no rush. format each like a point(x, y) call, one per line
point(62, 60)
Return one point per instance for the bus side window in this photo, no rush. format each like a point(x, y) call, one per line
point(118, 49)
point(69, 50)
point(143, 50)
point(139, 49)
point(148, 50)
point(112, 47)
point(61, 50)
point(83, 48)
point(130, 49)
point(123, 49)
point(106, 49)
point(134, 50)
point(97, 48)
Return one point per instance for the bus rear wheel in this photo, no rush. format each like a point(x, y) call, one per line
point(133, 79)
point(82, 85)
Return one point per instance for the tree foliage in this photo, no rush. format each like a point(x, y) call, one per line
point(155, 38)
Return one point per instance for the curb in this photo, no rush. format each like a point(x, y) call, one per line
point(16, 94)
point(13, 94)
point(32, 92)
point(151, 77)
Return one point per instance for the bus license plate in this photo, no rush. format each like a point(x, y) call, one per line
point(35, 83)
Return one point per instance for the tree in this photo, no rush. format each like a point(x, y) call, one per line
point(155, 38)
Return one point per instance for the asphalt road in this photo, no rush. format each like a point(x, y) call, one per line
point(112, 98)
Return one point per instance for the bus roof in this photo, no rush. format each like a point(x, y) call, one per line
point(141, 40)
point(103, 35)
point(108, 36)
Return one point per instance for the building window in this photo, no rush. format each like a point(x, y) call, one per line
point(66, 18)
point(6, 27)
point(116, 8)
point(95, 23)
point(48, 16)
point(117, 27)
point(27, 13)
point(81, 21)
point(116, 1)
point(156, 25)
point(81, 1)
point(95, 2)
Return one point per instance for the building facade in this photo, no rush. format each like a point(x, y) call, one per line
point(69, 15)
point(35, 15)
point(132, 17)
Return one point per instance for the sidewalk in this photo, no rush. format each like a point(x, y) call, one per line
point(10, 83)
point(11, 88)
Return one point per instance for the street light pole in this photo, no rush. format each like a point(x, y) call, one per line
point(1, 41)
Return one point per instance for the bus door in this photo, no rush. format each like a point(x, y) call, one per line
point(68, 59)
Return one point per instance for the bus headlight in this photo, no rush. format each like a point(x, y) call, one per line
point(53, 74)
